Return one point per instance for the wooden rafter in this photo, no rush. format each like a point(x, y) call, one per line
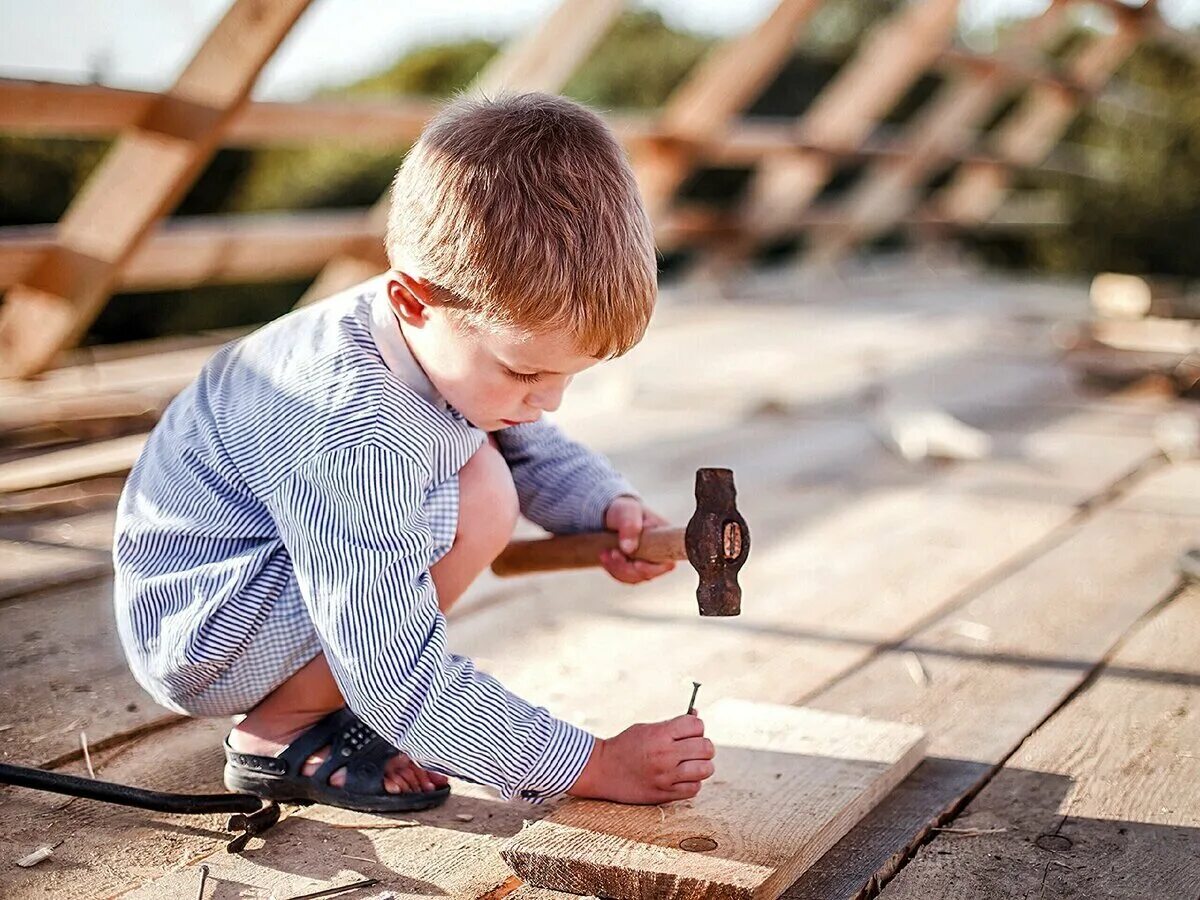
point(195, 250)
point(1037, 124)
point(541, 60)
point(706, 104)
point(945, 128)
point(142, 176)
point(891, 57)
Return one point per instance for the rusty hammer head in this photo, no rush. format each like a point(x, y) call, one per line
point(717, 542)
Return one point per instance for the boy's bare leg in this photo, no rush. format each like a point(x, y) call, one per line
point(487, 513)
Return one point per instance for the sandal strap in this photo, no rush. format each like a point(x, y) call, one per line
point(353, 746)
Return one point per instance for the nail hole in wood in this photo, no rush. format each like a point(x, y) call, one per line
point(1054, 842)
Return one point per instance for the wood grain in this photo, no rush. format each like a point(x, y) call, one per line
point(792, 781)
point(1046, 628)
point(1102, 801)
point(144, 174)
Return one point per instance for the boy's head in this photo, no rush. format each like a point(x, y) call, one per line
point(519, 247)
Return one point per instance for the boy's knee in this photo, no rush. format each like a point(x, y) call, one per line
point(487, 504)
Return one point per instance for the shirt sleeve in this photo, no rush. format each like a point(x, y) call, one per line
point(562, 485)
point(353, 523)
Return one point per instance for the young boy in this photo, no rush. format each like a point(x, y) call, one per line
point(309, 508)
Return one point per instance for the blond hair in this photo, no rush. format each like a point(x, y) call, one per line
point(522, 211)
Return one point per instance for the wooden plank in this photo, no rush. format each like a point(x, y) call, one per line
point(141, 177)
point(541, 60)
point(26, 566)
point(945, 127)
point(235, 249)
point(1173, 491)
point(1031, 640)
point(890, 58)
point(64, 672)
point(113, 457)
point(792, 782)
point(1103, 800)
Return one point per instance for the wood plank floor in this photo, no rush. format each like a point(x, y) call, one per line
point(968, 598)
point(1103, 800)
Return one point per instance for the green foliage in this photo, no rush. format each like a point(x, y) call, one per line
point(39, 176)
point(637, 64)
point(1144, 216)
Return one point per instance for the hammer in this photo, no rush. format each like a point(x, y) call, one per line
point(716, 543)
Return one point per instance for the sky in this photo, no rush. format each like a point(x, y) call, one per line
point(145, 43)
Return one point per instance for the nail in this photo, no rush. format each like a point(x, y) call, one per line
point(691, 710)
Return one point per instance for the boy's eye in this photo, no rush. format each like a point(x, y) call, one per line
point(524, 377)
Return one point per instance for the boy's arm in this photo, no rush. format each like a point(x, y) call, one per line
point(353, 524)
point(562, 485)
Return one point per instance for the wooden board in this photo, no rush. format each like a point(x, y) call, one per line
point(27, 566)
point(1103, 800)
point(112, 457)
point(1031, 640)
point(63, 672)
point(791, 782)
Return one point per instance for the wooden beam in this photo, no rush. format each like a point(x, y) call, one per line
point(542, 60)
point(235, 249)
point(143, 176)
point(793, 781)
point(87, 110)
point(113, 457)
point(723, 83)
point(944, 129)
point(1036, 125)
point(695, 224)
point(888, 61)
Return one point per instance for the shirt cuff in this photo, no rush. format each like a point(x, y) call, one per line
point(567, 752)
point(597, 501)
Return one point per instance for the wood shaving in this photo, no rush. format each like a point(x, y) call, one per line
point(916, 669)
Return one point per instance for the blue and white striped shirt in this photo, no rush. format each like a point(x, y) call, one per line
point(292, 500)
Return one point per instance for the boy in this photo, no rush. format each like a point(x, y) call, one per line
point(308, 509)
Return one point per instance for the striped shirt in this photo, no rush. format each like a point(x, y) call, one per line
point(292, 500)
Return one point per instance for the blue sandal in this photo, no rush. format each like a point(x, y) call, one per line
point(353, 746)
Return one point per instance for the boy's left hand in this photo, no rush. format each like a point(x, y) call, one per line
point(627, 517)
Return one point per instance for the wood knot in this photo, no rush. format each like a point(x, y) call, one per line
point(1055, 843)
point(698, 844)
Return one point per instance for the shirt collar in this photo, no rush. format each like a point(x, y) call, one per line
point(389, 339)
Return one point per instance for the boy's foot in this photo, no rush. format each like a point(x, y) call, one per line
point(262, 737)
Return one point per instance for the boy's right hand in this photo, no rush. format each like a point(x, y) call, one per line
point(648, 763)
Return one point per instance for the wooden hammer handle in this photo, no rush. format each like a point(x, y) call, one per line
point(577, 551)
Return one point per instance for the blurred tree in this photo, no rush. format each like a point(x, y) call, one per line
point(1143, 216)
point(39, 176)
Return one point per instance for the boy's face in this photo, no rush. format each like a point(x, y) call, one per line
point(495, 380)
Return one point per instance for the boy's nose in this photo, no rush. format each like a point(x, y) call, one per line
point(547, 400)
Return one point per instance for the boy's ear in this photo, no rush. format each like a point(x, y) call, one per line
point(410, 297)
